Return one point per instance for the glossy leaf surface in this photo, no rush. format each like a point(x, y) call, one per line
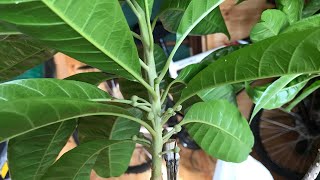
point(173, 11)
point(86, 155)
point(220, 130)
point(270, 92)
point(272, 22)
point(196, 11)
point(284, 96)
point(304, 24)
point(94, 32)
point(49, 88)
point(273, 57)
point(293, 9)
point(25, 115)
point(18, 54)
point(36, 151)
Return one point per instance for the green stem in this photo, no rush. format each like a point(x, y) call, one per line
point(173, 52)
point(153, 25)
point(135, 35)
point(154, 98)
point(165, 94)
point(143, 65)
point(141, 106)
point(167, 136)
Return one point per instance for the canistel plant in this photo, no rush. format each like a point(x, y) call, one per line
point(37, 116)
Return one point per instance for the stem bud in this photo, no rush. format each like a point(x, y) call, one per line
point(177, 128)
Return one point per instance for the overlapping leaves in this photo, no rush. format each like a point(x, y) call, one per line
point(280, 55)
point(173, 11)
point(86, 30)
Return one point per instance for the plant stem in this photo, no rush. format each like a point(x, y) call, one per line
point(135, 35)
point(142, 106)
point(153, 25)
point(143, 65)
point(165, 94)
point(154, 98)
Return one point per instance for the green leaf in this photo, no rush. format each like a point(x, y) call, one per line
point(108, 128)
point(7, 29)
point(186, 74)
point(272, 22)
point(130, 88)
point(172, 13)
point(94, 78)
point(190, 71)
point(18, 54)
point(224, 92)
point(24, 115)
point(311, 8)
point(304, 24)
point(273, 57)
point(292, 8)
point(86, 155)
point(222, 52)
point(85, 30)
point(270, 92)
point(313, 87)
point(220, 130)
point(49, 88)
point(160, 58)
point(284, 96)
point(111, 129)
point(31, 154)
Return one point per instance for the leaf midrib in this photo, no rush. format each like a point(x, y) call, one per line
point(215, 126)
point(45, 153)
point(92, 41)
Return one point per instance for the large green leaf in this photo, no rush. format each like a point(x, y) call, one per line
point(224, 92)
point(284, 96)
point(289, 53)
point(92, 31)
point(292, 8)
point(304, 24)
point(311, 8)
point(220, 130)
point(272, 22)
point(24, 115)
point(49, 88)
point(78, 163)
point(108, 128)
point(173, 11)
point(31, 154)
point(18, 54)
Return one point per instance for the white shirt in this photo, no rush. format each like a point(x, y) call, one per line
point(250, 169)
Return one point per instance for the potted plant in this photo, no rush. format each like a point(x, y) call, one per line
point(38, 115)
